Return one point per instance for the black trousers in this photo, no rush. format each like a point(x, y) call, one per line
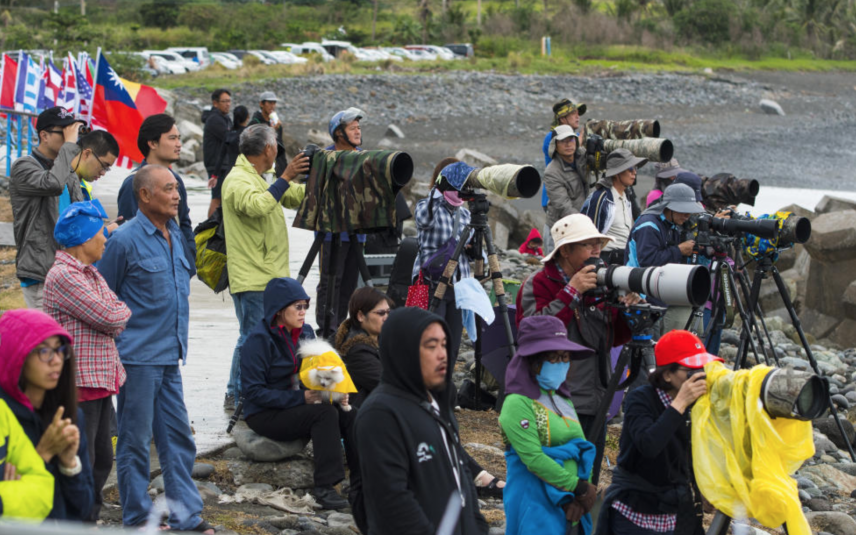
point(326, 425)
point(452, 314)
point(598, 438)
point(347, 275)
point(99, 414)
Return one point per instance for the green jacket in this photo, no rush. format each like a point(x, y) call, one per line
point(256, 232)
point(31, 497)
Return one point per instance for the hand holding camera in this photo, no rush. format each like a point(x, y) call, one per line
point(693, 388)
point(299, 165)
point(584, 280)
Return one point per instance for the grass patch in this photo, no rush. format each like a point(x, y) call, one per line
point(11, 295)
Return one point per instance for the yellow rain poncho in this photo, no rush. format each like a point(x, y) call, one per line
point(326, 361)
point(743, 458)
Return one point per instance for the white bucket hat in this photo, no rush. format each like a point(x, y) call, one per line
point(561, 132)
point(573, 229)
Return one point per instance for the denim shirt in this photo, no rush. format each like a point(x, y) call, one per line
point(155, 283)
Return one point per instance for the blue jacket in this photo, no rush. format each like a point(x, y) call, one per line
point(269, 362)
point(545, 148)
point(653, 242)
point(75, 495)
point(127, 205)
point(600, 207)
point(533, 506)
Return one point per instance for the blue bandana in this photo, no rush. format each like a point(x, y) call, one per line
point(79, 222)
point(456, 174)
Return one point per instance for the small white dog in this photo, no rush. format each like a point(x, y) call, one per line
point(324, 378)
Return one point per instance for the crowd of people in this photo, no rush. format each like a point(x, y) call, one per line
point(108, 308)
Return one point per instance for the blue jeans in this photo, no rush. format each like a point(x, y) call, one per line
point(250, 309)
point(152, 402)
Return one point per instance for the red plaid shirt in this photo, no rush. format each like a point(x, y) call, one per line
point(658, 523)
point(77, 296)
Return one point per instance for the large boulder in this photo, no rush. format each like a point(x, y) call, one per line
point(258, 448)
point(833, 237)
point(294, 474)
point(844, 334)
point(771, 107)
point(475, 158)
point(319, 137)
point(829, 204)
point(190, 130)
point(848, 301)
point(826, 285)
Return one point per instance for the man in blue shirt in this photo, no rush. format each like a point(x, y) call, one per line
point(144, 262)
point(160, 143)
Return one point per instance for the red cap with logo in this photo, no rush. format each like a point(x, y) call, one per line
point(684, 348)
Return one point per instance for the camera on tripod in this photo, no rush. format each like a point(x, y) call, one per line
point(673, 284)
point(509, 181)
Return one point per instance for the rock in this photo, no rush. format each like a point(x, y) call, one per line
point(202, 471)
point(731, 337)
point(829, 459)
point(833, 237)
point(819, 504)
point(839, 400)
point(771, 107)
point(320, 138)
point(851, 396)
point(233, 453)
point(818, 323)
point(822, 444)
point(157, 483)
point(394, 131)
point(824, 474)
point(197, 169)
point(343, 520)
point(848, 301)
point(795, 363)
point(208, 485)
point(804, 496)
point(209, 497)
point(387, 144)
point(186, 157)
point(805, 483)
point(190, 130)
point(830, 204)
point(259, 448)
point(475, 158)
point(847, 468)
point(832, 522)
point(828, 427)
point(295, 474)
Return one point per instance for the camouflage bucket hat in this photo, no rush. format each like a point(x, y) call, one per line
point(565, 106)
point(669, 169)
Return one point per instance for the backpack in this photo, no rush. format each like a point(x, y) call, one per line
point(210, 238)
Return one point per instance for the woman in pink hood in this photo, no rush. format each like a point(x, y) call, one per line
point(37, 382)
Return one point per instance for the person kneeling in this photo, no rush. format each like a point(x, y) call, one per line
point(276, 407)
point(653, 488)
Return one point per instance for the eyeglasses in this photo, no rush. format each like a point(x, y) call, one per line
point(104, 168)
point(559, 356)
point(46, 354)
point(381, 313)
point(301, 307)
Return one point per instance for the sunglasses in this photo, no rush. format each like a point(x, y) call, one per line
point(301, 307)
point(46, 354)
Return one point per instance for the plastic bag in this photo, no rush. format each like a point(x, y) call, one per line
point(743, 458)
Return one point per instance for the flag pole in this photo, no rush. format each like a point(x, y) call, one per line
point(94, 85)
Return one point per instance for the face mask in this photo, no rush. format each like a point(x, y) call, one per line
point(453, 198)
point(552, 375)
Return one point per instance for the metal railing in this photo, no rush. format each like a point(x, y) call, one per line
point(20, 122)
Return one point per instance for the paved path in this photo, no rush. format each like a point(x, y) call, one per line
point(7, 238)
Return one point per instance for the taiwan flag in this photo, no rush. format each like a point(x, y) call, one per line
point(114, 110)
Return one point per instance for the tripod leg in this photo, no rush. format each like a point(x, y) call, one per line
point(310, 257)
point(746, 334)
point(330, 311)
point(694, 319)
point(361, 262)
point(449, 270)
point(747, 321)
point(720, 524)
point(783, 292)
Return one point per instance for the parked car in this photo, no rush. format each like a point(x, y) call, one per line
point(337, 48)
point(311, 47)
point(164, 62)
point(174, 57)
point(381, 54)
point(464, 50)
point(438, 52)
point(286, 58)
point(402, 53)
point(422, 54)
point(256, 53)
point(224, 59)
point(198, 55)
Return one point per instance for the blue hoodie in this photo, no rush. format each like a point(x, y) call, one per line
point(269, 362)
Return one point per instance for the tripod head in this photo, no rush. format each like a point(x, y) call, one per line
point(641, 319)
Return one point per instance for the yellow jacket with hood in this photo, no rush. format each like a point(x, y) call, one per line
point(30, 497)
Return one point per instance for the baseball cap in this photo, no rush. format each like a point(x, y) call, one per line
point(566, 106)
point(56, 116)
point(268, 96)
point(668, 169)
point(682, 199)
point(684, 348)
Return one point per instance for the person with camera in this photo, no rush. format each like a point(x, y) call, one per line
point(344, 128)
point(656, 240)
point(36, 183)
point(256, 231)
point(549, 460)
point(609, 206)
point(559, 289)
point(653, 488)
point(411, 457)
point(217, 125)
point(566, 178)
point(664, 175)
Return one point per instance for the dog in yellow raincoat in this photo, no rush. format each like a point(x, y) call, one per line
point(322, 369)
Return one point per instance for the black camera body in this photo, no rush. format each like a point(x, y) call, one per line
point(595, 153)
point(310, 150)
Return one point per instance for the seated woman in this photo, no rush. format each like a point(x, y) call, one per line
point(549, 460)
point(653, 489)
point(356, 339)
point(37, 382)
point(275, 404)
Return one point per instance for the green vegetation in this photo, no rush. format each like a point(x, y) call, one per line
point(586, 34)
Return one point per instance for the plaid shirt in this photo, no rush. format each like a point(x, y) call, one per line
point(658, 523)
point(77, 296)
point(433, 232)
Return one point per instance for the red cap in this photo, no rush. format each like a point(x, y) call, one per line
point(684, 348)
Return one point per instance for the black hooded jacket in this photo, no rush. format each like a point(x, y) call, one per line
point(407, 473)
point(269, 362)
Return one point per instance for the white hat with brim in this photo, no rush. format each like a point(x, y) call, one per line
point(562, 131)
point(574, 228)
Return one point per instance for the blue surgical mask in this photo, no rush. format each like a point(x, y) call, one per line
point(552, 374)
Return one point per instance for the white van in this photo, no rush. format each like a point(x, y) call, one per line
point(198, 55)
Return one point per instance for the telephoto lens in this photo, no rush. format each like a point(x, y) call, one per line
point(673, 284)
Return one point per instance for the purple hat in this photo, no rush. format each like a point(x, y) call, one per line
point(539, 334)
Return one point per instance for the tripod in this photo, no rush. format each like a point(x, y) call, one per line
point(764, 268)
point(479, 230)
